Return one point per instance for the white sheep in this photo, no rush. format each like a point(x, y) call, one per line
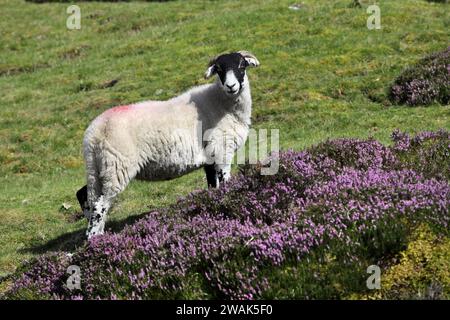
point(158, 140)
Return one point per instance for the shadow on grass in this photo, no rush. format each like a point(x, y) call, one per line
point(73, 240)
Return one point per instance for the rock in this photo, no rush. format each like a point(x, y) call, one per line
point(296, 6)
point(66, 206)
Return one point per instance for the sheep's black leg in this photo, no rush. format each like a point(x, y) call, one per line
point(82, 197)
point(211, 175)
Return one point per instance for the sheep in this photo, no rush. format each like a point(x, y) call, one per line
point(160, 140)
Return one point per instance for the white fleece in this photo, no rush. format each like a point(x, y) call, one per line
point(158, 140)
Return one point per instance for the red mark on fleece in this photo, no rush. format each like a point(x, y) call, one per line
point(120, 109)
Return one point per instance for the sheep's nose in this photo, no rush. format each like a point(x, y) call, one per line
point(231, 86)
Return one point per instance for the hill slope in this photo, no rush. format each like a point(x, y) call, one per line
point(323, 75)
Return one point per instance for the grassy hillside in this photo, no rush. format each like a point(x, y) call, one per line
point(323, 75)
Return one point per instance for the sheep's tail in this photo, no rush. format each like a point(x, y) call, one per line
point(91, 151)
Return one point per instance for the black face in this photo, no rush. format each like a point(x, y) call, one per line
point(231, 62)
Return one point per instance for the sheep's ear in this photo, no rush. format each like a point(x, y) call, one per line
point(250, 58)
point(210, 71)
point(211, 67)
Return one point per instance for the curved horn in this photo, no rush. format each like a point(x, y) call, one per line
point(250, 57)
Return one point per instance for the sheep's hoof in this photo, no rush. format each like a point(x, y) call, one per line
point(94, 231)
point(90, 235)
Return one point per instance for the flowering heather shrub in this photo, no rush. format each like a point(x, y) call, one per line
point(352, 199)
point(425, 83)
point(356, 153)
point(427, 152)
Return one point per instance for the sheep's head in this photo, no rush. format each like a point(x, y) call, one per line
point(231, 70)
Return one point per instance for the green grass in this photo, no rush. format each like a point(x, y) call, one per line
point(323, 74)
